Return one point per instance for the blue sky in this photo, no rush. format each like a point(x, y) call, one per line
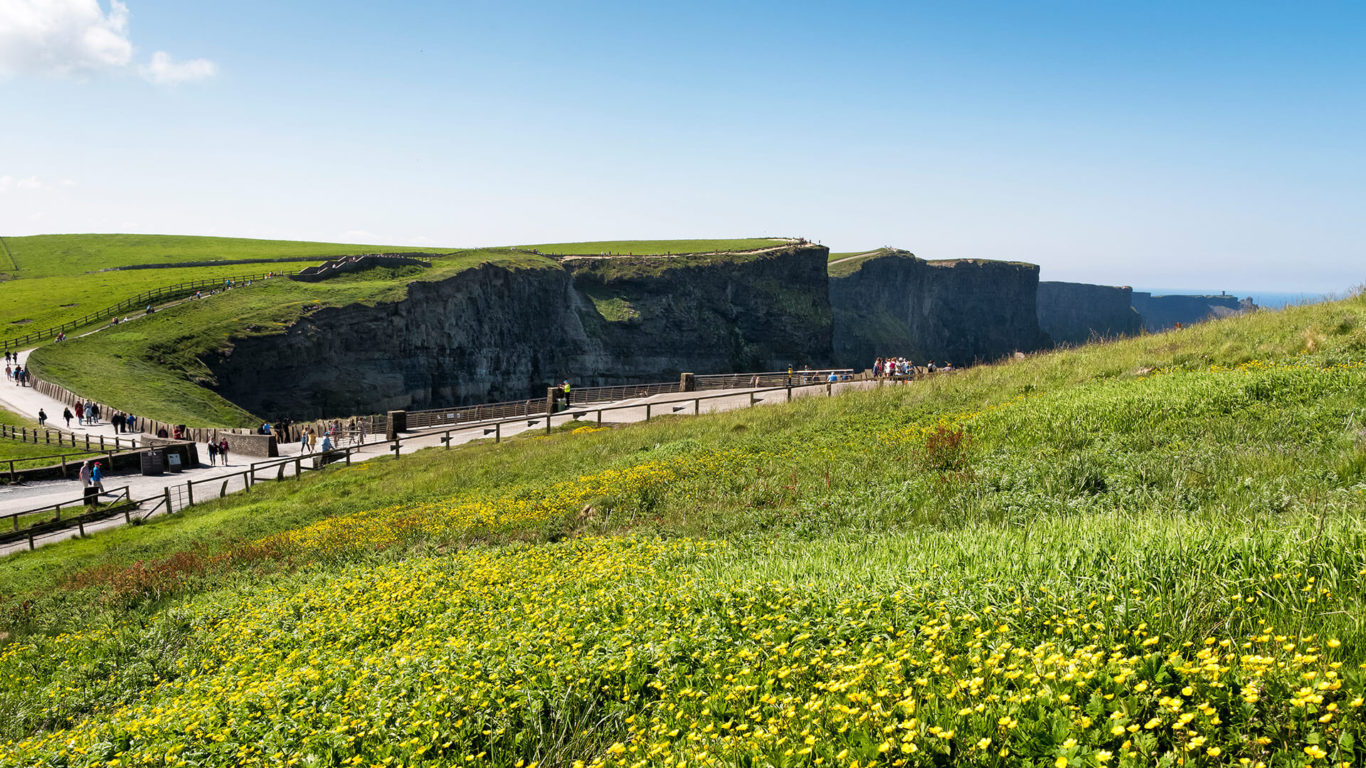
point(1213, 145)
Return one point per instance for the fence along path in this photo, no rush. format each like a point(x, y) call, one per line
point(140, 300)
point(153, 496)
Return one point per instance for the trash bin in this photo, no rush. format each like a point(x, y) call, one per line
point(153, 462)
point(173, 462)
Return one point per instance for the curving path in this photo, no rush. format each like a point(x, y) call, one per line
point(20, 498)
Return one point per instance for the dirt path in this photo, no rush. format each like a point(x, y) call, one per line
point(855, 256)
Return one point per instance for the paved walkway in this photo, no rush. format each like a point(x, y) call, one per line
point(32, 495)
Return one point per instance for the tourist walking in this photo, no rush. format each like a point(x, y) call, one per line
point(84, 474)
point(213, 453)
point(303, 441)
point(80, 413)
point(312, 440)
point(223, 450)
point(42, 417)
point(97, 478)
point(66, 414)
point(327, 443)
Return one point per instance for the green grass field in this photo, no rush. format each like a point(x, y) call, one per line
point(655, 247)
point(848, 264)
point(67, 255)
point(1150, 552)
point(58, 279)
point(151, 366)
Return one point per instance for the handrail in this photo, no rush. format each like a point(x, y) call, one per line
point(22, 434)
point(254, 472)
point(61, 457)
point(140, 299)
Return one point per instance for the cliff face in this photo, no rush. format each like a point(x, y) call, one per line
point(653, 317)
point(1162, 312)
point(492, 333)
point(1075, 313)
point(960, 311)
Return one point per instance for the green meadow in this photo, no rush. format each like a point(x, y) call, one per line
point(1147, 552)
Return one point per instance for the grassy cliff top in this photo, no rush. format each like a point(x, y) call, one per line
point(48, 280)
point(65, 255)
point(53, 279)
point(656, 247)
point(1053, 557)
point(150, 366)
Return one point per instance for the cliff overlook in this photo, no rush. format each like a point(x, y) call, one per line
point(1075, 313)
point(890, 302)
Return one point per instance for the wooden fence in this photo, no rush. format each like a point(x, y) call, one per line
point(138, 301)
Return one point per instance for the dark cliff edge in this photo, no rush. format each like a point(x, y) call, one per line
point(1076, 313)
point(493, 333)
point(954, 311)
point(1163, 312)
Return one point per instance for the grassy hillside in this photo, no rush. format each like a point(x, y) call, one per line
point(53, 279)
point(64, 255)
point(848, 263)
point(655, 247)
point(151, 366)
point(1143, 553)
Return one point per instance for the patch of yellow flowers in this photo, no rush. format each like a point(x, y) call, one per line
point(618, 652)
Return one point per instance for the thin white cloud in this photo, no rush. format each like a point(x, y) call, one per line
point(31, 184)
point(78, 38)
point(19, 184)
point(165, 70)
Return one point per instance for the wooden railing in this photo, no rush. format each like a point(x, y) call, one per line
point(60, 459)
point(43, 436)
point(121, 502)
point(140, 300)
point(178, 496)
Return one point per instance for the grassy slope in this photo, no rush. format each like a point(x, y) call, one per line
point(64, 255)
point(827, 571)
point(57, 279)
point(654, 247)
point(156, 368)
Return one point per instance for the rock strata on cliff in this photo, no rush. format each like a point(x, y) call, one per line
point(955, 311)
point(1162, 312)
point(1075, 313)
point(494, 333)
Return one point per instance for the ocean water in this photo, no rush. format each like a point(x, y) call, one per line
point(1268, 299)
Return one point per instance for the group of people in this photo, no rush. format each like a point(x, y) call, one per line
point(900, 367)
point(16, 372)
point(308, 441)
